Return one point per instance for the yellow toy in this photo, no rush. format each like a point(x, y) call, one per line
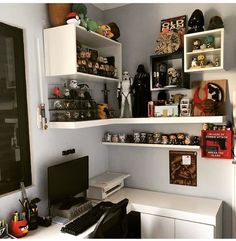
point(105, 30)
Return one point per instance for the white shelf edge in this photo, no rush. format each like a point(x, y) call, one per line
point(85, 76)
point(98, 35)
point(205, 32)
point(204, 69)
point(152, 120)
point(152, 145)
point(203, 51)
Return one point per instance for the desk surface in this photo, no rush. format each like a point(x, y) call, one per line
point(190, 208)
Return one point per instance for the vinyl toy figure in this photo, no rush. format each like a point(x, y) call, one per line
point(124, 91)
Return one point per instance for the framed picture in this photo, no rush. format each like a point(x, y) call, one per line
point(177, 25)
point(183, 167)
point(209, 97)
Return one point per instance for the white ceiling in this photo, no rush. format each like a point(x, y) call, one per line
point(105, 6)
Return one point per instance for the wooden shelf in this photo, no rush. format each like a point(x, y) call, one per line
point(152, 120)
point(152, 145)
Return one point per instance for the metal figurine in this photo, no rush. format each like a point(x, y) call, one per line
point(124, 95)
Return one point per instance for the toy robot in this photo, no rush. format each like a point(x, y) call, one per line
point(124, 94)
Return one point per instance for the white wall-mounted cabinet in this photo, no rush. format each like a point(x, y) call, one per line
point(153, 226)
point(61, 51)
point(214, 56)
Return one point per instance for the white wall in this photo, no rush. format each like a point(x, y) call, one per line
point(149, 168)
point(46, 146)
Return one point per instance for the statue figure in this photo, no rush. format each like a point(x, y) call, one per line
point(142, 93)
point(196, 22)
point(124, 95)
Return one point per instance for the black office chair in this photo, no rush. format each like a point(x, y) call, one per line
point(113, 223)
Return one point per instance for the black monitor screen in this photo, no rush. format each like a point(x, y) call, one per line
point(67, 179)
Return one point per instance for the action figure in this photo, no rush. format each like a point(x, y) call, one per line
point(124, 95)
point(142, 93)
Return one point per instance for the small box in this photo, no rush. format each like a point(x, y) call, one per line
point(216, 144)
point(166, 111)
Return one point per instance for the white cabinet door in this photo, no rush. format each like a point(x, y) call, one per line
point(156, 227)
point(186, 229)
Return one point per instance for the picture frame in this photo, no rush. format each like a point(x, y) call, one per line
point(183, 167)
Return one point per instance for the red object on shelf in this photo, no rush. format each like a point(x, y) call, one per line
point(216, 144)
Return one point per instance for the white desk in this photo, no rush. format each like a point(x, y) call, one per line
point(177, 216)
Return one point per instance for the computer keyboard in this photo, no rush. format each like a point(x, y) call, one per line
point(86, 220)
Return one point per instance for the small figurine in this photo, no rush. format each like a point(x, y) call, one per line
point(89, 67)
point(57, 92)
point(73, 85)
point(196, 44)
point(95, 68)
point(196, 22)
point(72, 17)
point(196, 140)
point(122, 137)
point(82, 62)
point(201, 60)
point(180, 138)
point(187, 140)
point(173, 139)
point(209, 41)
point(164, 139)
point(156, 137)
point(173, 76)
point(143, 137)
point(194, 62)
point(66, 93)
point(57, 105)
point(136, 137)
point(124, 93)
point(217, 61)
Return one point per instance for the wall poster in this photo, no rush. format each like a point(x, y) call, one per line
point(183, 167)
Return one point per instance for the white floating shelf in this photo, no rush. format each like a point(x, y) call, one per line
point(204, 51)
point(152, 120)
point(152, 145)
point(86, 77)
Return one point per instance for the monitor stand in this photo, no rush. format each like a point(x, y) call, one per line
point(68, 203)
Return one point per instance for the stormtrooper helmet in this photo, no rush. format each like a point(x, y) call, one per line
point(126, 75)
point(73, 84)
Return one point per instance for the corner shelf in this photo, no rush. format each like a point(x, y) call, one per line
point(210, 54)
point(152, 145)
point(151, 120)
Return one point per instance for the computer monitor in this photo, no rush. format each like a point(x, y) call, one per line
point(67, 179)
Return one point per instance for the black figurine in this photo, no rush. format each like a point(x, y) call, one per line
point(142, 93)
point(196, 22)
point(215, 22)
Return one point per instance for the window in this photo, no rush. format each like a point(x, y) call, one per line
point(14, 133)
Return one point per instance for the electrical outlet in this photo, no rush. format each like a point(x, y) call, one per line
point(67, 152)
